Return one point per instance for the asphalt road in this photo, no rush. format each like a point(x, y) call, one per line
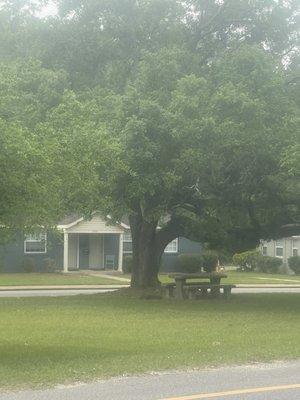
point(276, 381)
point(73, 292)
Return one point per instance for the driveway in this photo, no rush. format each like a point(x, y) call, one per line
point(275, 381)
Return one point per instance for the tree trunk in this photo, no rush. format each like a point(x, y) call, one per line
point(145, 263)
point(148, 244)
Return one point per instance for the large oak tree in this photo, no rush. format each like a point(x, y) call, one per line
point(177, 114)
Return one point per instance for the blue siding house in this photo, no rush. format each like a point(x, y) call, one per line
point(82, 244)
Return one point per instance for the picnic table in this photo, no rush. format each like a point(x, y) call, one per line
point(213, 278)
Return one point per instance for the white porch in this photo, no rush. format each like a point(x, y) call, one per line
point(92, 244)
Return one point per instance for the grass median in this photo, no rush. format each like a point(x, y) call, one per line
point(59, 279)
point(42, 279)
point(251, 278)
point(68, 339)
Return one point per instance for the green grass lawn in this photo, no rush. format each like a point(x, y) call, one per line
point(235, 277)
point(81, 279)
point(256, 277)
point(54, 279)
point(49, 340)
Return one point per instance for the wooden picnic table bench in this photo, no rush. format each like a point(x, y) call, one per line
point(181, 286)
point(195, 291)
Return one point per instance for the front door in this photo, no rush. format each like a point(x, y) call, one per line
point(96, 251)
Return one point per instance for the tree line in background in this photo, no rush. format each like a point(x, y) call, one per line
point(177, 114)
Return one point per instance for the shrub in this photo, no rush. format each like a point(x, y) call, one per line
point(50, 265)
point(127, 265)
point(190, 263)
point(224, 257)
point(1, 264)
point(269, 265)
point(210, 260)
point(294, 264)
point(247, 260)
point(28, 264)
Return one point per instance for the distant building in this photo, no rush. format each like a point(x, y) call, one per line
point(282, 248)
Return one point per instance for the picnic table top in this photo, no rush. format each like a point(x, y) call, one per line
point(200, 275)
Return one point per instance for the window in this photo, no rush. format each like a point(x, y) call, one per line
point(265, 250)
point(279, 252)
point(295, 252)
point(172, 247)
point(35, 243)
point(127, 243)
point(294, 248)
point(279, 248)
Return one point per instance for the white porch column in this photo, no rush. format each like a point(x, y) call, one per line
point(120, 266)
point(66, 252)
point(77, 256)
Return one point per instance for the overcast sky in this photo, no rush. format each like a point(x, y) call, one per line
point(49, 10)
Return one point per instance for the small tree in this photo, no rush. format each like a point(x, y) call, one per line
point(247, 260)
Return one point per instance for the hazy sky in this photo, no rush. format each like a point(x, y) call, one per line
point(51, 9)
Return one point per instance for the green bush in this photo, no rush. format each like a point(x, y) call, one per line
point(50, 265)
point(294, 264)
point(210, 260)
point(248, 260)
point(28, 264)
point(127, 265)
point(269, 265)
point(225, 257)
point(1, 263)
point(190, 263)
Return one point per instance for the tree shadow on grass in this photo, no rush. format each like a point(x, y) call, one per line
point(238, 303)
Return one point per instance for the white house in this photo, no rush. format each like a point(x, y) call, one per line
point(282, 248)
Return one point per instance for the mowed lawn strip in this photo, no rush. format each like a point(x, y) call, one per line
point(251, 278)
point(261, 278)
point(43, 279)
point(68, 339)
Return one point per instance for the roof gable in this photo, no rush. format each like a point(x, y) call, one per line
point(97, 224)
